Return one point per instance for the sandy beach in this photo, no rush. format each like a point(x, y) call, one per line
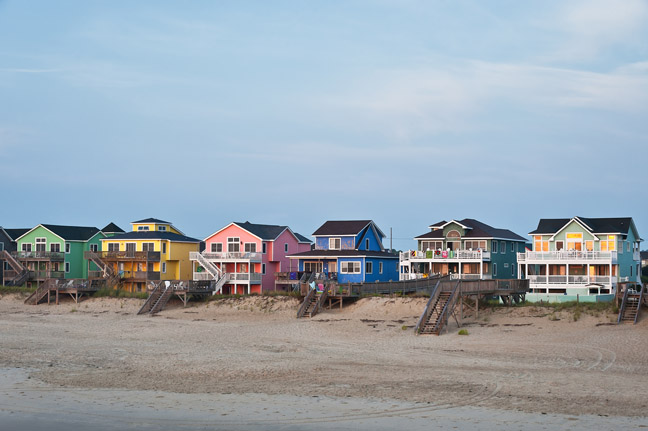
point(522, 367)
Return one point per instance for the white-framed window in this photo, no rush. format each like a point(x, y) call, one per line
point(286, 247)
point(249, 247)
point(67, 248)
point(264, 248)
point(502, 247)
point(431, 245)
point(233, 245)
point(475, 245)
point(352, 267)
point(494, 270)
point(366, 243)
point(335, 243)
point(142, 228)
point(380, 267)
point(113, 246)
point(164, 247)
point(67, 267)
point(494, 246)
point(26, 247)
point(162, 228)
point(369, 267)
point(41, 244)
point(55, 247)
point(148, 246)
point(628, 246)
point(94, 247)
point(216, 247)
point(164, 267)
point(263, 269)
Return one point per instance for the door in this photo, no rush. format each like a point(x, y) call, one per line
point(130, 249)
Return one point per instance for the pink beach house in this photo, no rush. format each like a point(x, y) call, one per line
point(244, 257)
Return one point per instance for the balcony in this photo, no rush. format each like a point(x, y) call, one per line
point(140, 275)
point(572, 279)
point(566, 256)
point(234, 277)
point(411, 276)
point(458, 255)
point(229, 257)
point(144, 256)
point(51, 256)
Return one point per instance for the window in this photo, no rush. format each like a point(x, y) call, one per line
point(453, 234)
point(164, 267)
point(286, 247)
point(142, 228)
point(67, 247)
point(539, 244)
point(164, 247)
point(250, 247)
point(334, 243)
point(475, 245)
point(313, 266)
point(494, 246)
point(431, 245)
point(67, 267)
point(380, 267)
point(628, 246)
point(350, 267)
point(503, 247)
point(589, 245)
point(560, 245)
point(264, 248)
point(367, 244)
point(233, 245)
point(26, 247)
point(575, 241)
point(608, 244)
point(40, 244)
point(216, 247)
point(94, 247)
point(55, 247)
point(162, 228)
point(369, 267)
point(263, 268)
point(494, 270)
point(113, 246)
point(1, 246)
point(512, 270)
point(512, 247)
point(148, 246)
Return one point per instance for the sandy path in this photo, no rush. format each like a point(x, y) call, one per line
point(516, 360)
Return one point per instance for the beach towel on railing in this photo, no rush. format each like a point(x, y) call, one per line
point(293, 276)
point(429, 254)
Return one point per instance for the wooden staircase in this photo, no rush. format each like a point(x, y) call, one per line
point(157, 299)
point(313, 303)
point(41, 292)
point(438, 310)
point(111, 277)
point(630, 307)
point(22, 273)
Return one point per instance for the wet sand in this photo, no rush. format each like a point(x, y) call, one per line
point(249, 364)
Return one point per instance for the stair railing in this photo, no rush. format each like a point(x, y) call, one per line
point(641, 293)
point(449, 307)
point(304, 306)
point(434, 296)
point(623, 305)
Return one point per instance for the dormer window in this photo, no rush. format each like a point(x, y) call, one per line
point(162, 228)
point(139, 228)
point(454, 234)
point(334, 243)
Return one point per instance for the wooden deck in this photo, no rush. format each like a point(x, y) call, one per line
point(52, 289)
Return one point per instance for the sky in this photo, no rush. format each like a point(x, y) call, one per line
point(293, 113)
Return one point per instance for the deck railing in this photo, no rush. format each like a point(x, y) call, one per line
point(571, 279)
point(44, 255)
point(445, 255)
point(251, 256)
point(153, 256)
point(568, 255)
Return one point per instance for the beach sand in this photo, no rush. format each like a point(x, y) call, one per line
point(249, 362)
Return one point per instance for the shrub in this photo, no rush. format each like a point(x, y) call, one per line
point(463, 332)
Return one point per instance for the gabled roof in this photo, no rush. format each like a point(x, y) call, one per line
point(302, 238)
point(267, 232)
point(151, 220)
point(476, 229)
point(151, 234)
point(343, 253)
point(16, 233)
point(611, 225)
point(112, 228)
point(345, 228)
point(67, 233)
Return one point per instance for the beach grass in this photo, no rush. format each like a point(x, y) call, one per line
point(16, 289)
point(119, 293)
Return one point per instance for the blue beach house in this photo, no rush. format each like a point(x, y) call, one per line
point(350, 251)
